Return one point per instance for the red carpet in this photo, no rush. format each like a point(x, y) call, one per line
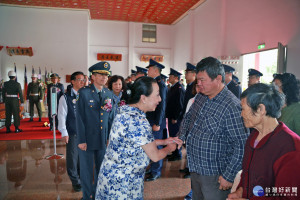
point(31, 131)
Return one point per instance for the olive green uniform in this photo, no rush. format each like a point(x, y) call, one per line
point(34, 95)
point(11, 90)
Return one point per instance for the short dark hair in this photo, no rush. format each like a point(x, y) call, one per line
point(73, 76)
point(212, 66)
point(267, 95)
point(141, 86)
point(114, 79)
point(290, 87)
point(11, 77)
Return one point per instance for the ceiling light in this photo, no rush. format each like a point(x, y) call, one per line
point(75, 4)
point(118, 6)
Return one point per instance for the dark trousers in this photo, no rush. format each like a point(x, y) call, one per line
point(207, 188)
point(89, 159)
point(173, 130)
point(73, 160)
point(35, 101)
point(12, 108)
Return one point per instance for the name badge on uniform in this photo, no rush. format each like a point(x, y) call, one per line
point(74, 101)
point(91, 103)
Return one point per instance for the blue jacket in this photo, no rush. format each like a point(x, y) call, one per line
point(93, 121)
point(156, 117)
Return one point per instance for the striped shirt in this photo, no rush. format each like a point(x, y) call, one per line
point(215, 135)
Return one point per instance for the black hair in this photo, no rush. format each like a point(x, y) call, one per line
point(290, 87)
point(212, 66)
point(141, 86)
point(114, 79)
point(11, 77)
point(73, 76)
point(267, 95)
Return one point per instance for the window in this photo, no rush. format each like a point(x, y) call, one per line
point(149, 33)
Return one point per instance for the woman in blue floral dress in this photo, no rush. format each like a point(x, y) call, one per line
point(131, 146)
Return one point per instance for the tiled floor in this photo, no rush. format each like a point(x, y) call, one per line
point(26, 175)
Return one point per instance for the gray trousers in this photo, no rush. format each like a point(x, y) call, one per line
point(73, 160)
point(207, 188)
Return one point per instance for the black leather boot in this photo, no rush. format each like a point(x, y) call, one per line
point(40, 119)
point(8, 130)
point(18, 130)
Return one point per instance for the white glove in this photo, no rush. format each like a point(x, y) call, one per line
point(27, 100)
point(41, 100)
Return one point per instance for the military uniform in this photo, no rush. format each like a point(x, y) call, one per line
point(60, 92)
point(94, 119)
point(158, 118)
point(174, 110)
point(232, 85)
point(35, 95)
point(11, 93)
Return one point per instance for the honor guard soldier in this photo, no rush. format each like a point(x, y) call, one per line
point(11, 93)
point(140, 72)
point(94, 118)
point(174, 108)
point(190, 77)
point(231, 85)
point(60, 91)
point(67, 126)
point(254, 76)
point(35, 96)
point(157, 118)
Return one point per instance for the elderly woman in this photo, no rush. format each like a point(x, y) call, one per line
point(290, 114)
point(117, 85)
point(132, 145)
point(271, 160)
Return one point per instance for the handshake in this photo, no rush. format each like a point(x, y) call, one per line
point(173, 143)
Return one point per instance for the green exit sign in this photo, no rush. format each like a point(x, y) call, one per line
point(261, 46)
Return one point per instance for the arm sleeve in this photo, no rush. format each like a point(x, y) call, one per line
point(80, 118)
point(28, 91)
point(20, 93)
point(161, 108)
point(62, 116)
point(180, 100)
point(237, 136)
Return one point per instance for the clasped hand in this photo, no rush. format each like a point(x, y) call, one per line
point(173, 140)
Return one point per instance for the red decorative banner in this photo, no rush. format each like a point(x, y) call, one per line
point(1, 48)
point(20, 51)
point(109, 57)
point(146, 58)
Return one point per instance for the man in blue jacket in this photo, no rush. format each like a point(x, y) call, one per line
point(93, 118)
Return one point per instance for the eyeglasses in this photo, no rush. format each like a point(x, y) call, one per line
point(82, 80)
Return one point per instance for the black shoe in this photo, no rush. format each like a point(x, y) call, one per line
point(185, 170)
point(50, 129)
point(77, 188)
point(174, 158)
point(31, 120)
point(187, 175)
point(8, 130)
point(40, 119)
point(152, 177)
point(18, 130)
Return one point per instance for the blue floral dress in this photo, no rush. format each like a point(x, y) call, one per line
point(123, 169)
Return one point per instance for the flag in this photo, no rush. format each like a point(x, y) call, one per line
point(32, 72)
point(46, 78)
point(15, 71)
point(40, 74)
point(25, 83)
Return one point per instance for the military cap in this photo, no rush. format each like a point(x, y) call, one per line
point(100, 68)
point(254, 72)
point(190, 67)
point(133, 71)
point(54, 75)
point(229, 69)
point(163, 76)
point(12, 73)
point(140, 69)
point(156, 64)
point(236, 79)
point(174, 72)
point(34, 76)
